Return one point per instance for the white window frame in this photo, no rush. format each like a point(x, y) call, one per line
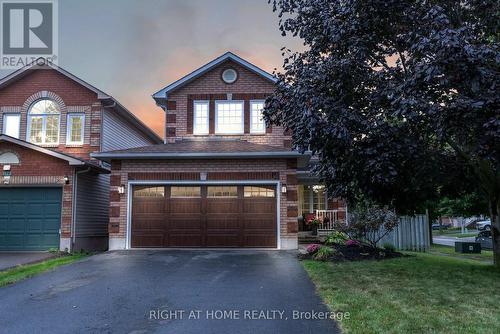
point(195, 130)
point(217, 130)
point(253, 130)
point(44, 126)
point(68, 128)
point(4, 125)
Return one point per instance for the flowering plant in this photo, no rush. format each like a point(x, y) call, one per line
point(313, 248)
point(312, 220)
point(352, 243)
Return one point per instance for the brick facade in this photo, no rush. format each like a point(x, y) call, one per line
point(210, 86)
point(71, 97)
point(236, 170)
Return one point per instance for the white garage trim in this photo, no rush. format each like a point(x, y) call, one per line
point(248, 182)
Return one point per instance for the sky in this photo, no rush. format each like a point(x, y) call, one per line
point(132, 48)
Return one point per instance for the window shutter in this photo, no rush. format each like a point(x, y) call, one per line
point(190, 117)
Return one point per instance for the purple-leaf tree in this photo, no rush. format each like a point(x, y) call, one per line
point(399, 99)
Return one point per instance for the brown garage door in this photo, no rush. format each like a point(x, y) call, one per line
point(204, 216)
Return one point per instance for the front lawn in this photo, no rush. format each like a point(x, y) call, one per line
point(18, 273)
point(426, 293)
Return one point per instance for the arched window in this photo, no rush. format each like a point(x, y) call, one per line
point(43, 122)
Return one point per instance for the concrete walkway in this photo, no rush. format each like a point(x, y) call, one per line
point(13, 259)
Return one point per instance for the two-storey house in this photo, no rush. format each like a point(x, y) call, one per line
point(222, 178)
point(52, 193)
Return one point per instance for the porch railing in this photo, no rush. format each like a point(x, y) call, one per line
point(328, 219)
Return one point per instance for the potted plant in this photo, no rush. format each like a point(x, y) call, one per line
point(313, 222)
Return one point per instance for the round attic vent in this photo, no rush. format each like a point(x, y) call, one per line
point(229, 76)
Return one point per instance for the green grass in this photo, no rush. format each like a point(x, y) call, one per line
point(426, 293)
point(457, 233)
point(18, 273)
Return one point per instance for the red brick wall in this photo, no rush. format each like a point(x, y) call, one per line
point(273, 168)
point(36, 168)
point(210, 83)
point(18, 96)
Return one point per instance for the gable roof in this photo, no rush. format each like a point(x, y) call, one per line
point(70, 159)
point(40, 63)
point(163, 93)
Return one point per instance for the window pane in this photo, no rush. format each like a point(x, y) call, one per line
point(45, 107)
point(11, 124)
point(319, 198)
point(222, 191)
point(75, 126)
point(149, 192)
point(36, 128)
point(192, 192)
point(229, 117)
point(252, 191)
point(200, 124)
point(52, 129)
point(256, 121)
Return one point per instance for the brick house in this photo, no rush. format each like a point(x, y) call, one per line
point(53, 194)
point(222, 178)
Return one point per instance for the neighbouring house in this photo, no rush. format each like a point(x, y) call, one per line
point(222, 178)
point(53, 194)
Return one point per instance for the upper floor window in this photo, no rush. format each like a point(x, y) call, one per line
point(257, 124)
point(228, 117)
point(43, 122)
point(75, 127)
point(11, 124)
point(200, 113)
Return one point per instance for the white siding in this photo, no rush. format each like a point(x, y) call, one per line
point(118, 133)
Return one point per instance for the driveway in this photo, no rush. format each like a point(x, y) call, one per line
point(12, 259)
point(158, 291)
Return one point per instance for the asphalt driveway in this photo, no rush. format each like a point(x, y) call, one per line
point(13, 259)
point(168, 292)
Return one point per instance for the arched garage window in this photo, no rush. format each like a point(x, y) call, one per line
point(43, 122)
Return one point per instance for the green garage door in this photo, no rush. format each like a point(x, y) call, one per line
point(30, 218)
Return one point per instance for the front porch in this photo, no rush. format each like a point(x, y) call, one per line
point(313, 201)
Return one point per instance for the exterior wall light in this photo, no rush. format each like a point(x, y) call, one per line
point(283, 189)
point(121, 189)
point(66, 179)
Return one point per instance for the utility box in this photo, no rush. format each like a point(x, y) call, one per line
point(468, 247)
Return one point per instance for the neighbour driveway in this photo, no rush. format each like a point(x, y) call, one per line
point(168, 292)
point(12, 259)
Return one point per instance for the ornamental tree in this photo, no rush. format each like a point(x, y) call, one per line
point(398, 99)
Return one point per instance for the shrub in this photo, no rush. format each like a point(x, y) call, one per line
point(313, 248)
point(389, 247)
point(352, 243)
point(336, 237)
point(371, 224)
point(324, 253)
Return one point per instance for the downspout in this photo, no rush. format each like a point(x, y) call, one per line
point(73, 209)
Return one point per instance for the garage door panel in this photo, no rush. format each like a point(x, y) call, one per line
point(30, 218)
point(185, 205)
point(260, 240)
point(225, 240)
point(210, 216)
point(185, 240)
point(153, 238)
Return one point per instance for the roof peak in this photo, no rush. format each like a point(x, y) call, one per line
point(162, 94)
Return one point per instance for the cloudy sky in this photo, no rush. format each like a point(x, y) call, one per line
point(132, 48)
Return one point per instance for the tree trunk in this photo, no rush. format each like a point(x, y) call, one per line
point(495, 230)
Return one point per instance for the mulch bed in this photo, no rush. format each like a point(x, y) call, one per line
point(357, 253)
